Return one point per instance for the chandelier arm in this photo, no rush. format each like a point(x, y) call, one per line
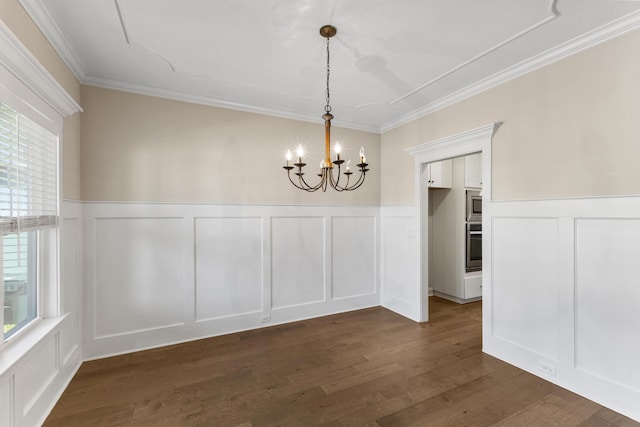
point(303, 184)
point(359, 182)
point(308, 187)
point(293, 182)
point(355, 185)
point(361, 178)
point(335, 183)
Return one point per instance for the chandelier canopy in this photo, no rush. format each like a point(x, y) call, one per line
point(326, 174)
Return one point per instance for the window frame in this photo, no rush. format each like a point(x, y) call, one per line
point(25, 101)
point(24, 78)
point(33, 274)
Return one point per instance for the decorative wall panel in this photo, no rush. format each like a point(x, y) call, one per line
point(525, 283)
point(70, 285)
point(159, 274)
point(400, 257)
point(565, 295)
point(6, 403)
point(353, 256)
point(228, 266)
point(400, 262)
point(298, 260)
point(608, 299)
point(38, 372)
point(139, 274)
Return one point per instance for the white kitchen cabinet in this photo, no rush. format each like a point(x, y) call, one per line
point(439, 174)
point(447, 236)
point(473, 171)
point(473, 285)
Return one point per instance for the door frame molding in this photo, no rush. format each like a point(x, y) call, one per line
point(460, 144)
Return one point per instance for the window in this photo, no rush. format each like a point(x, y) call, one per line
point(28, 211)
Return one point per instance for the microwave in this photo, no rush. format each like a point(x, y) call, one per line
point(474, 206)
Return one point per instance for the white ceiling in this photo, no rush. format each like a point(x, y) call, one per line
point(391, 61)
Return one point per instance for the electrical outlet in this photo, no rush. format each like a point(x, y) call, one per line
point(75, 359)
point(265, 319)
point(548, 369)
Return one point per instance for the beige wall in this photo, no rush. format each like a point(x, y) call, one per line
point(20, 23)
point(147, 149)
point(570, 129)
point(71, 183)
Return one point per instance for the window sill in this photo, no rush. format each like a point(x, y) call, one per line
point(13, 350)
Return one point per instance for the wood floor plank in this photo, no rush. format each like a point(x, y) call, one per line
point(364, 368)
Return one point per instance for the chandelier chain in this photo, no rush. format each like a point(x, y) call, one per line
point(327, 107)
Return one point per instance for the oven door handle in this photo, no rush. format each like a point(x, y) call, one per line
point(474, 233)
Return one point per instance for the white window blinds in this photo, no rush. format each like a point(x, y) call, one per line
point(28, 174)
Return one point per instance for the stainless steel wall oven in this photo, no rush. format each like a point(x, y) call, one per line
point(474, 231)
point(474, 246)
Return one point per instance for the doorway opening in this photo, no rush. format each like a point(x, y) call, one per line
point(454, 192)
point(473, 141)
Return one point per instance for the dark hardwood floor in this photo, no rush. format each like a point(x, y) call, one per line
point(365, 368)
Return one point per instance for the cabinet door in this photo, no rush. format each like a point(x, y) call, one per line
point(440, 174)
point(473, 171)
point(473, 287)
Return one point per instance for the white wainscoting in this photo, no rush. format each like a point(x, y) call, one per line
point(157, 274)
point(221, 245)
point(7, 405)
point(35, 368)
point(40, 369)
point(351, 273)
point(71, 278)
point(608, 300)
point(400, 261)
point(298, 261)
point(139, 265)
point(525, 283)
point(565, 293)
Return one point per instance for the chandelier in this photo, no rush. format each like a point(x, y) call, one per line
point(341, 181)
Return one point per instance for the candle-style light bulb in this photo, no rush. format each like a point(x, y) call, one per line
point(348, 165)
point(362, 158)
point(300, 153)
point(337, 148)
point(288, 156)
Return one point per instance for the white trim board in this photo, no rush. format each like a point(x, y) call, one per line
point(468, 142)
point(20, 62)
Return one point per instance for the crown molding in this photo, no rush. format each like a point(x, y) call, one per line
point(614, 29)
point(45, 23)
point(600, 35)
point(212, 102)
point(20, 62)
point(553, 14)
